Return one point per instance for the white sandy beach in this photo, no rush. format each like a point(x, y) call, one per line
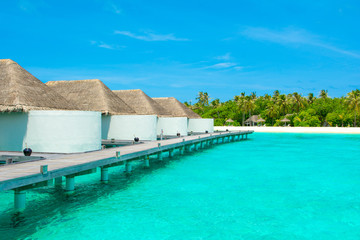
point(348, 130)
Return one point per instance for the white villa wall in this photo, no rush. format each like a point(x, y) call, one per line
point(51, 131)
point(13, 128)
point(172, 125)
point(201, 125)
point(126, 127)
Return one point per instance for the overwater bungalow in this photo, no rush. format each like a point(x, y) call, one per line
point(35, 116)
point(144, 106)
point(119, 121)
point(194, 123)
point(141, 103)
point(167, 123)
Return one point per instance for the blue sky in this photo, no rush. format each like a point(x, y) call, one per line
point(178, 48)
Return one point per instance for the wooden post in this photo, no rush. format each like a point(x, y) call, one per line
point(147, 161)
point(182, 150)
point(19, 199)
point(159, 156)
point(128, 167)
point(104, 174)
point(70, 183)
point(171, 153)
point(58, 181)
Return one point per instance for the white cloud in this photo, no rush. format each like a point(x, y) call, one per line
point(222, 65)
point(238, 68)
point(115, 8)
point(107, 46)
point(293, 36)
point(224, 57)
point(148, 36)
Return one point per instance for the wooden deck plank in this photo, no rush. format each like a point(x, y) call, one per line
point(17, 175)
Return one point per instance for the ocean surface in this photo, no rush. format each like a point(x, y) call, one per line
point(272, 186)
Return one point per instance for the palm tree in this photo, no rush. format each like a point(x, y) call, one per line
point(323, 94)
point(311, 98)
point(341, 117)
point(275, 96)
point(283, 103)
point(249, 104)
point(240, 101)
point(267, 97)
point(253, 95)
point(298, 101)
point(203, 98)
point(203, 101)
point(272, 111)
point(353, 101)
point(215, 104)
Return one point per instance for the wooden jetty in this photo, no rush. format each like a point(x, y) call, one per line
point(28, 175)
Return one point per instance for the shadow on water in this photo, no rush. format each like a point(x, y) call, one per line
point(56, 203)
point(53, 203)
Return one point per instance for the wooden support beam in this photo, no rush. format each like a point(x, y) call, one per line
point(171, 153)
point(182, 150)
point(58, 181)
point(128, 167)
point(147, 161)
point(104, 174)
point(36, 185)
point(70, 183)
point(19, 200)
point(90, 171)
point(159, 156)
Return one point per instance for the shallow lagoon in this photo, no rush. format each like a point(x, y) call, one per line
point(273, 186)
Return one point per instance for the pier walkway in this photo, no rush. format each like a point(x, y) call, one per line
point(23, 176)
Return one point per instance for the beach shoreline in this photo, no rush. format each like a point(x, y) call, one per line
point(341, 130)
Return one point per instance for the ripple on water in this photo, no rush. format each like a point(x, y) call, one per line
point(273, 186)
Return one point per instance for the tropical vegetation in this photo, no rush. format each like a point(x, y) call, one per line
point(306, 111)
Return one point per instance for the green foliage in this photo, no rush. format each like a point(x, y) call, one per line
point(301, 111)
point(307, 118)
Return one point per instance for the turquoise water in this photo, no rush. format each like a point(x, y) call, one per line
point(272, 186)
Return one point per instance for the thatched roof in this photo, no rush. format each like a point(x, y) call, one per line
point(176, 108)
point(141, 103)
point(285, 120)
point(229, 120)
point(260, 120)
point(253, 118)
point(91, 95)
point(21, 91)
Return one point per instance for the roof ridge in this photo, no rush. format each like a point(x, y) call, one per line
point(141, 102)
point(23, 91)
point(92, 94)
point(104, 99)
point(176, 108)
